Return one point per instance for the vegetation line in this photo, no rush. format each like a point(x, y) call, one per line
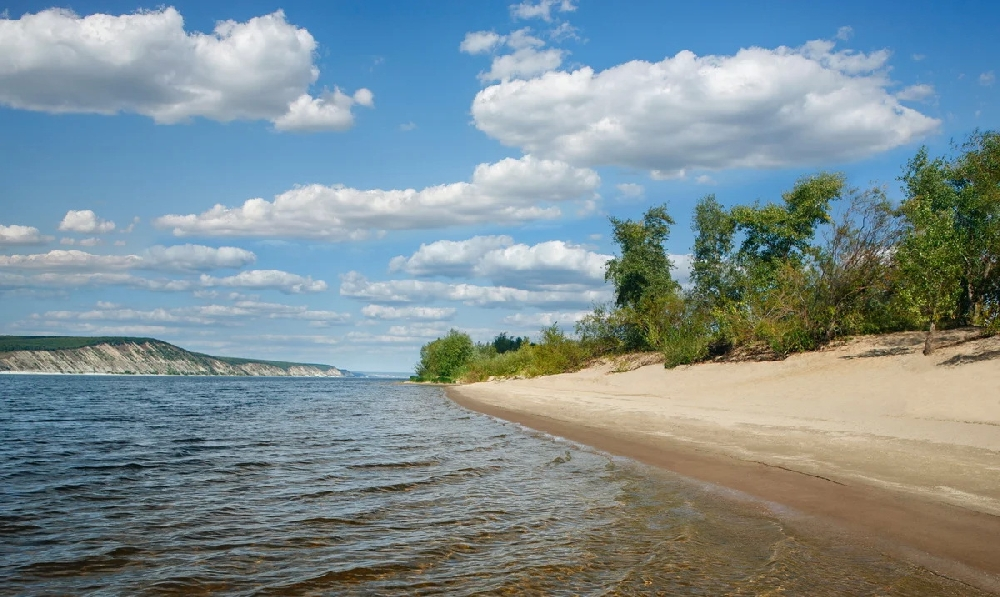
point(768, 280)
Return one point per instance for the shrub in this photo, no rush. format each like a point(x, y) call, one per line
point(443, 359)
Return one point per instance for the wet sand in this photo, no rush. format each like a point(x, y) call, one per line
point(870, 438)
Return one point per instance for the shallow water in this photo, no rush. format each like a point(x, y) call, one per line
point(187, 486)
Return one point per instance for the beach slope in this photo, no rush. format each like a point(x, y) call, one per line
point(870, 435)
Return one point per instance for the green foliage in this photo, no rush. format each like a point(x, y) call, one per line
point(711, 269)
point(504, 343)
point(50, 343)
point(643, 268)
point(556, 353)
point(771, 279)
point(443, 360)
point(774, 234)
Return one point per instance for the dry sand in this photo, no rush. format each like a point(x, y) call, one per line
point(870, 436)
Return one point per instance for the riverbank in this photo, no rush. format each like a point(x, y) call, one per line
point(900, 449)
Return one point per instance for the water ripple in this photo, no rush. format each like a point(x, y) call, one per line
point(203, 486)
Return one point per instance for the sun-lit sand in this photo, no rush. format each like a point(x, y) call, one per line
point(870, 433)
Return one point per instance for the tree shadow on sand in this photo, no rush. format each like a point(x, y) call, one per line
point(965, 359)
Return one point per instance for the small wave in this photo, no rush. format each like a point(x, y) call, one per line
point(391, 465)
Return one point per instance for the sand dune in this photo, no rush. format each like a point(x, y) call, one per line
point(870, 433)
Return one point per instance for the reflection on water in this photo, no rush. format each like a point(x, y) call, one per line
point(193, 486)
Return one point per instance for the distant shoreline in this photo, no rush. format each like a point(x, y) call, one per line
point(99, 374)
point(886, 444)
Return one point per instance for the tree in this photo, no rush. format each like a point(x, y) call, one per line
point(643, 268)
point(930, 254)
point(774, 234)
point(711, 267)
point(443, 359)
point(975, 175)
point(504, 343)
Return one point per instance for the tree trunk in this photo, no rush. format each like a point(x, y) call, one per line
point(929, 341)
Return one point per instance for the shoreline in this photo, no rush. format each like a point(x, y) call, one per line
point(856, 446)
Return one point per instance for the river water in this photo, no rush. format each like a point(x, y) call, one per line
point(279, 486)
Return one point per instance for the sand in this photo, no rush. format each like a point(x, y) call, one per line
point(870, 436)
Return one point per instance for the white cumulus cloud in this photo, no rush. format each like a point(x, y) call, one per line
point(266, 279)
point(174, 258)
point(542, 9)
point(409, 313)
point(196, 258)
point(356, 285)
point(449, 257)
point(527, 55)
point(759, 108)
point(147, 63)
point(509, 191)
point(85, 221)
point(16, 234)
point(546, 264)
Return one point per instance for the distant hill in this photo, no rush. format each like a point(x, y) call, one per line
point(126, 355)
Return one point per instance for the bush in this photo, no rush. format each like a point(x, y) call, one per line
point(444, 359)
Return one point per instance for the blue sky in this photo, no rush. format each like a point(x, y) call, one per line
point(341, 182)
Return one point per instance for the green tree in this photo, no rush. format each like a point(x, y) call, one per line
point(711, 267)
point(442, 360)
point(975, 175)
point(774, 234)
point(930, 254)
point(643, 268)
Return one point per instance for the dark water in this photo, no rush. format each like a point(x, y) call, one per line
point(188, 486)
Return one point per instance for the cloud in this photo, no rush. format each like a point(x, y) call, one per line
point(92, 241)
point(480, 42)
point(546, 264)
point(239, 314)
point(545, 319)
point(411, 313)
point(448, 258)
point(506, 192)
point(256, 279)
point(915, 92)
point(704, 179)
point(408, 126)
point(146, 63)
point(266, 279)
point(332, 112)
point(196, 258)
point(844, 33)
point(354, 284)
point(759, 108)
point(987, 79)
point(497, 258)
point(21, 235)
point(74, 259)
point(85, 221)
point(630, 190)
point(541, 10)
point(528, 55)
point(181, 258)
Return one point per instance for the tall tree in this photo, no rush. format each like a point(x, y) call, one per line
point(777, 233)
point(711, 267)
point(975, 175)
point(930, 255)
point(643, 268)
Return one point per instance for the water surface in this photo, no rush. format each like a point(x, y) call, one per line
point(188, 486)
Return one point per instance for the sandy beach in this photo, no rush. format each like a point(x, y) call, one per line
point(870, 436)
